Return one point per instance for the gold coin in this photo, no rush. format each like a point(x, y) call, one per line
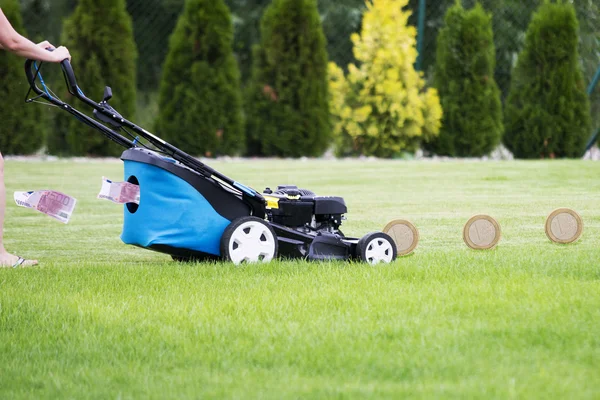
point(564, 226)
point(405, 235)
point(481, 232)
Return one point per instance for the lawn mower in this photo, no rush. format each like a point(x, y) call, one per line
point(192, 212)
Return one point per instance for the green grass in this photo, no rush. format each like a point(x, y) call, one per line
point(99, 319)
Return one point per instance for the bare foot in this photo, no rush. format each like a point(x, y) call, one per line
point(8, 261)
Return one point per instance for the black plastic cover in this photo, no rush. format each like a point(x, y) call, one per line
point(328, 246)
point(330, 205)
point(293, 213)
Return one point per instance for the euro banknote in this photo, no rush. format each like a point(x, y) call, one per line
point(50, 202)
point(119, 192)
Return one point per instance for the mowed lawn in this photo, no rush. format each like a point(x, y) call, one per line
point(99, 319)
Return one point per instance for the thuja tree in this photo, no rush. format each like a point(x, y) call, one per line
point(200, 100)
point(464, 76)
point(382, 107)
point(21, 125)
point(99, 36)
point(547, 113)
point(287, 100)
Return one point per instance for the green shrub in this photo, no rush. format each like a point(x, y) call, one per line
point(547, 113)
point(200, 99)
point(99, 36)
point(21, 125)
point(287, 100)
point(464, 77)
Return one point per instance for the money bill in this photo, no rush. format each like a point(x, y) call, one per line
point(52, 203)
point(119, 192)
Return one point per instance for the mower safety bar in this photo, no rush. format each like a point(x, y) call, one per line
point(31, 70)
point(31, 78)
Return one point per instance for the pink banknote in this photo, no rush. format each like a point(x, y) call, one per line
point(50, 202)
point(119, 192)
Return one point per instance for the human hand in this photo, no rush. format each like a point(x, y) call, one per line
point(45, 45)
point(60, 54)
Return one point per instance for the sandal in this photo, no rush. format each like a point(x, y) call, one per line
point(21, 262)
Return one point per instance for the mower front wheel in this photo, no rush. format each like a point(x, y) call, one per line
point(376, 247)
point(249, 240)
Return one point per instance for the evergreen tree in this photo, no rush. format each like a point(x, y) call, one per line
point(381, 107)
point(464, 77)
point(21, 125)
point(99, 36)
point(548, 112)
point(287, 100)
point(200, 99)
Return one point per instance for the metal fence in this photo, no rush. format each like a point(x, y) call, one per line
point(510, 19)
point(154, 21)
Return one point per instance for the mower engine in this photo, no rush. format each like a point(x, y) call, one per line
point(303, 211)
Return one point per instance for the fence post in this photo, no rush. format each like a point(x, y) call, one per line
point(594, 82)
point(421, 34)
point(594, 137)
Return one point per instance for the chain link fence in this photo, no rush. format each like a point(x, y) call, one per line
point(510, 19)
point(154, 20)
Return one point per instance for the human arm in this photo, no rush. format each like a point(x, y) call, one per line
point(12, 41)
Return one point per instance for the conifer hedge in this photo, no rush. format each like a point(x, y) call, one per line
point(464, 76)
point(287, 100)
point(200, 97)
point(547, 113)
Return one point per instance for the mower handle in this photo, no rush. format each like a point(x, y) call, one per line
point(70, 77)
point(32, 73)
point(254, 199)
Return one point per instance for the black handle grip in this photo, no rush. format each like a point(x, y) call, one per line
point(69, 77)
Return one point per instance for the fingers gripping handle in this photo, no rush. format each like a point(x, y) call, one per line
point(69, 76)
point(32, 73)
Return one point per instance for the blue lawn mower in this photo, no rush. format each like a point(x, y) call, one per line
point(192, 212)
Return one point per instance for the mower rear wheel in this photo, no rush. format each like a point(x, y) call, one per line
point(376, 247)
point(249, 240)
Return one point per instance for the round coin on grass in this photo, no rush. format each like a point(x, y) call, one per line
point(481, 232)
point(404, 234)
point(564, 226)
